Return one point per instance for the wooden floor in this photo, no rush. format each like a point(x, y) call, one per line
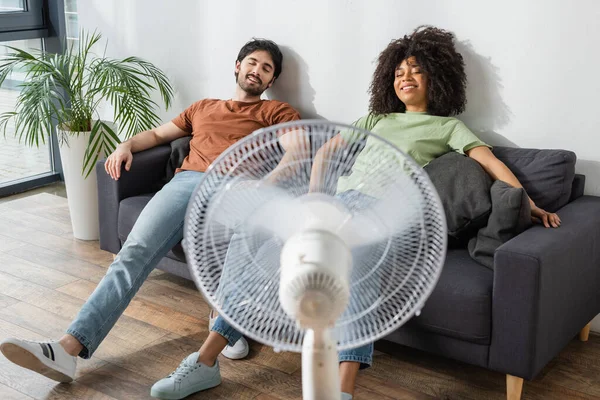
point(46, 275)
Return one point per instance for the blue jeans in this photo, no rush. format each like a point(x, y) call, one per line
point(363, 354)
point(158, 228)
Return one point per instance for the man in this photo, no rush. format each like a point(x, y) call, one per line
point(214, 126)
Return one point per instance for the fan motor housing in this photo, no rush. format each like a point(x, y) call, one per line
point(315, 270)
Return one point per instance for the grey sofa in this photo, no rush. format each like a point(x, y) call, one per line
point(514, 318)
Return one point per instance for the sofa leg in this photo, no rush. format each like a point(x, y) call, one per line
point(584, 334)
point(514, 387)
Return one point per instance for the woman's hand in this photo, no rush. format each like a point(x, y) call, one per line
point(544, 217)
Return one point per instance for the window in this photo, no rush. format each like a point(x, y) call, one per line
point(72, 23)
point(18, 160)
point(8, 6)
point(31, 25)
point(22, 19)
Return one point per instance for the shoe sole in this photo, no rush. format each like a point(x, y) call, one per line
point(26, 359)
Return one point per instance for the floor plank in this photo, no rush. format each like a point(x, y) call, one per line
point(7, 393)
point(361, 393)
point(371, 387)
point(39, 296)
point(87, 251)
point(263, 379)
point(284, 361)
point(575, 376)
point(38, 222)
point(8, 243)
point(169, 297)
point(34, 273)
point(59, 262)
point(42, 205)
point(6, 301)
point(118, 383)
point(173, 281)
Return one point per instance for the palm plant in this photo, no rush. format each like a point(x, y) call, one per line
point(68, 89)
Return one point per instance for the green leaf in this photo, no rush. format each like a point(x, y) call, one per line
point(68, 89)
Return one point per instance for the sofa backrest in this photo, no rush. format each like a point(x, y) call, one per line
point(548, 176)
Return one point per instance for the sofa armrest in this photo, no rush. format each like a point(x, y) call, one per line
point(545, 289)
point(146, 175)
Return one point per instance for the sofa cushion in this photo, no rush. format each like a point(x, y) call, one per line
point(546, 175)
point(511, 215)
point(180, 148)
point(129, 211)
point(460, 306)
point(463, 187)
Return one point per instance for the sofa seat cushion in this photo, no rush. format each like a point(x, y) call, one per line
point(129, 211)
point(460, 306)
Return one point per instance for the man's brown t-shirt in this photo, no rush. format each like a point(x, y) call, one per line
point(217, 124)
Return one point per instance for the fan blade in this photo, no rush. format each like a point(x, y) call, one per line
point(397, 209)
point(263, 207)
point(257, 206)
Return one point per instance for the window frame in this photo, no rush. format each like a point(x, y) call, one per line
point(29, 24)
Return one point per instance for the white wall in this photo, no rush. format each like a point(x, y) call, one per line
point(532, 65)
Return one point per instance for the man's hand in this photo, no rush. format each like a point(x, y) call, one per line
point(121, 155)
point(544, 217)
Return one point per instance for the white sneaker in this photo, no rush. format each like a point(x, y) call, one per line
point(190, 377)
point(236, 352)
point(46, 358)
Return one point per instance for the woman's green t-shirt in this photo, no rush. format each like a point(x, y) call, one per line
point(421, 136)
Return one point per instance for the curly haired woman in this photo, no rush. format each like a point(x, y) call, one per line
point(418, 85)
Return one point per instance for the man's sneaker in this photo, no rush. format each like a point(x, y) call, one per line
point(236, 352)
point(346, 396)
point(190, 377)
point(46, 358)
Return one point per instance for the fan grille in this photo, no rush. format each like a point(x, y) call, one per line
point(237, 269)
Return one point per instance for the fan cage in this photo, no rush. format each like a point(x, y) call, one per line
point(237, 270)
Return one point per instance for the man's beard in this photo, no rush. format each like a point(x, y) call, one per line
point(251, 90)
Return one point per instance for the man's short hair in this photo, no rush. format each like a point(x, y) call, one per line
point(264, 45)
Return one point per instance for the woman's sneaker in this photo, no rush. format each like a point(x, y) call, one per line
point(46, 358)
point(190, 377)
point(236, 352)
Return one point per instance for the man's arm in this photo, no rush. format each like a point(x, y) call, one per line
point(140, 142)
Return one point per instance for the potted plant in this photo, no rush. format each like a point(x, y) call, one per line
point(66, 91)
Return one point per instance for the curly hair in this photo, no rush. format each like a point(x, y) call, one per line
point(442, 64)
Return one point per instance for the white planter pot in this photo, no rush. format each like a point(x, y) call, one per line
point(82, 193)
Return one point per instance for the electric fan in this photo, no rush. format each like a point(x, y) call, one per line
point(303, 246)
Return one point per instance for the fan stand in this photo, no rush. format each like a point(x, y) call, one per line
point(320, 366)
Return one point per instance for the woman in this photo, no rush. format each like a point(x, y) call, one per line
point(418, 85)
